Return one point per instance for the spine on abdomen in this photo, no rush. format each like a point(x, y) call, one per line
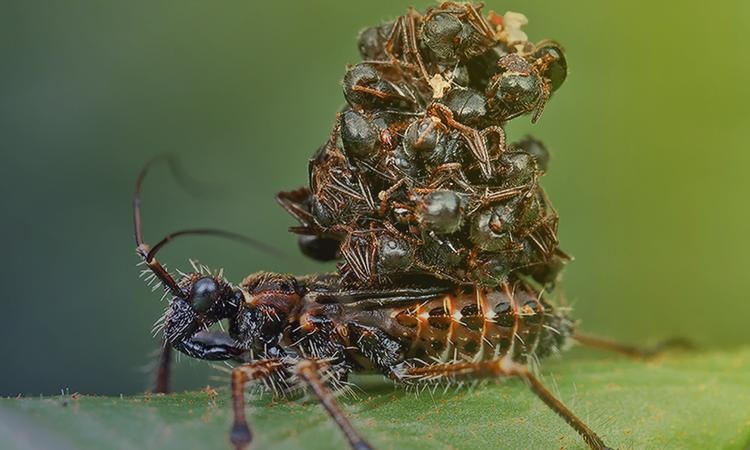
point(480, 325)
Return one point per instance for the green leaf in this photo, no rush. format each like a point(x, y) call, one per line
point(680, 401)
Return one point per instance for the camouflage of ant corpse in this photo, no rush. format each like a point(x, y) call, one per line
point(417, 177)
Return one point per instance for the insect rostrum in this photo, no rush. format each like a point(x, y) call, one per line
point(446, 240)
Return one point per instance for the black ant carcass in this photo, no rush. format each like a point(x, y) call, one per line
point(447, 242)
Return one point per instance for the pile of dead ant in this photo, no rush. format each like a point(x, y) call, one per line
point(416, 177)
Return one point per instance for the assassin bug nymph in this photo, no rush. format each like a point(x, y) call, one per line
point(291, 332)
point(445, 236)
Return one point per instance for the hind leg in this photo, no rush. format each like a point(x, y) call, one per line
point(163, 370)
point(500, 368)
point(309, 371)
point(632, 350)
point(275, 374)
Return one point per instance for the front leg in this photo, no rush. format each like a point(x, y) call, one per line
point(210, 346)
point(205, 345)
point(274, 373)
point(263, 370)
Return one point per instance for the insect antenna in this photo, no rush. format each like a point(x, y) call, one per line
point(148, 253)
point(215, 232)
point(142, 248)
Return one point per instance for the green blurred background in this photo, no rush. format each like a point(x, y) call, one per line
point(648, 140)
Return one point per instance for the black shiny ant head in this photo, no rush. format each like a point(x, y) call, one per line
point(495, 228)
point(550, 58)
point(319, 248)
point(359, 136)
point(536, 149)
point(423, 136)
point(394, 254)
point(455, 33)
point(467, 105)
point(372, 42)
point(516, 89)
point(440, 211)
point(440, 33)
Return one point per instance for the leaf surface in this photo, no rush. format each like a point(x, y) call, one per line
point(680, 401)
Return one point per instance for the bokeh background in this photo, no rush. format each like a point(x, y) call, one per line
point(649, 172)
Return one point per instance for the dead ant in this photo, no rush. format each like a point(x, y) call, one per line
point(291, 333)
point(521, 86)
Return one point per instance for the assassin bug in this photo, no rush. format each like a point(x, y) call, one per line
point(411, 168)
point(290, 332)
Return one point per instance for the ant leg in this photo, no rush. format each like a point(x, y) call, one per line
point(308, 370)
point(479, 23)
point(264, 369)
point(385, 196)
point(471, 135)
point(396, 33)
point(161, 384)
point(504, 367)
point(293, 202)
point(632, 350)
point(501, 145)
point(542, 101)
point(412, 47)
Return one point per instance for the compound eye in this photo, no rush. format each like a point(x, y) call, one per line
point(204, 294)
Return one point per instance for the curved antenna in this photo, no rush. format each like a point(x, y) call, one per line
point(213, 232)
point(142, 248)
point(148, 253)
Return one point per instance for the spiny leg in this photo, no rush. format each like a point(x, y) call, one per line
point(163, 369)
point(504, 367)
point(264, 369)
point(633, 351)
point(412, 46)
point(309, 371)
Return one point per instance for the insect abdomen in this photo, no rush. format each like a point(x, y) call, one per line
point(480, 325)
point(466, 325)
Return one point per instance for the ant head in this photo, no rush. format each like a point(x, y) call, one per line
point(516, 89)
point(455, 32)
point(550, 59)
